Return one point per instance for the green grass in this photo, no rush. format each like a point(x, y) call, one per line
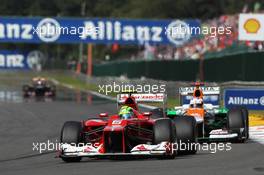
point(71, 80)
point(172, 102)
point(78, 84)
point(74, 82)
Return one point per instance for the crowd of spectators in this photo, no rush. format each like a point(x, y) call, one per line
point(198, 46)
point(211, 43)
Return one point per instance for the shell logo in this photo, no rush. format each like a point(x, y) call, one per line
point(252, 25)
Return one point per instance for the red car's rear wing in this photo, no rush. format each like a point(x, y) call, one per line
point(159, 97)
point(146, 98)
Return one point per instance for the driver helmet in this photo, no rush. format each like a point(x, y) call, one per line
point(196, 103)
point(126, 112)
point(38, 81)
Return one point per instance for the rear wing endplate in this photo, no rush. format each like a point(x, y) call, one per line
point(160, 97)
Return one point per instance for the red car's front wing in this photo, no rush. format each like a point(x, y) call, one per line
point(164, 148)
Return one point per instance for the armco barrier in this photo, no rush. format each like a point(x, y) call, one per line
point(163, 70)
point(244, 67)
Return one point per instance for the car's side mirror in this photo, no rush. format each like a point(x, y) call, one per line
point(147, 114)
point(102, 115)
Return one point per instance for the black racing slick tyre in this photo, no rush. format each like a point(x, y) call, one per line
point(71, 134)
point(236, 119)
point(245, 116)
point(25, 90)
point(53, 90)
point(186, 132)
point(164, 131)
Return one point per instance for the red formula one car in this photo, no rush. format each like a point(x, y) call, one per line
point(128, 133)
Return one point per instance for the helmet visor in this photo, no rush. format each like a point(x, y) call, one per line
point(126, 116)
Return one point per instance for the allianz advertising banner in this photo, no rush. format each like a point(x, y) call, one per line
point(250, 98)
point(75, 30)
point(14, 60)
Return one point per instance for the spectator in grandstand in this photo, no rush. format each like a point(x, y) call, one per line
point(196, 48)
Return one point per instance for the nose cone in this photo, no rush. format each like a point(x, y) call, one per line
point(116, 125)
point(197, 112)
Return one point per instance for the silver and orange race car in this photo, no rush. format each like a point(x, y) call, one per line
point(39, 87)
point(214, 123)
point(128, 133)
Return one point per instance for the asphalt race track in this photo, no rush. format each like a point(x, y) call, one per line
point(24, 122)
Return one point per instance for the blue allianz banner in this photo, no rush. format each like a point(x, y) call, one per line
point(14, 60)
point(211, 99)
point(105, 31)
point(250, 98)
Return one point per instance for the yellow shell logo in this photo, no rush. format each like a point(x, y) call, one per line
point(252, 25)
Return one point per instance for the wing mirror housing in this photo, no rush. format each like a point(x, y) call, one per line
point(103, 115)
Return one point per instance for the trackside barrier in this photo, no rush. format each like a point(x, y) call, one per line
point(243, 67)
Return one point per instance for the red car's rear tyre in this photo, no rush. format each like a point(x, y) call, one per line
point(164, 131)
point(186, 134)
